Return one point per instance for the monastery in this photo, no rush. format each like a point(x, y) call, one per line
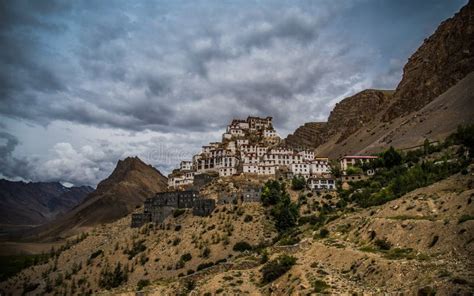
point(250, 146)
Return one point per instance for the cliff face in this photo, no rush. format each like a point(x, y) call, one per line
point(441, 61)
point(311, 134)
point(353, 112)
point(347, 116)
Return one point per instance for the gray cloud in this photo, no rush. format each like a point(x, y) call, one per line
point(13, 167)
point(186, 68)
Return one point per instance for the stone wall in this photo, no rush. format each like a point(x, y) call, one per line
point(139, 219)
point(204, 207)
point(162, 205)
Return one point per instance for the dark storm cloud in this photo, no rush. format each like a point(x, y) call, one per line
point(104, 75)
point(185, 68)
point(12, 167)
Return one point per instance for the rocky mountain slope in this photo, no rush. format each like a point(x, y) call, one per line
point(27, 204)
point(434, 122)
point(429, 241)
point(347, 117)
point(125, 189)
point(443, 61)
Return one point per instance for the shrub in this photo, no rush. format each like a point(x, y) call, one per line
point(465, 218)
point(248, 218)
point(176, 241)
point(137, 248)
point(29, 287)
point(290, 240)
point(189, 285)
point(112, 278)
point(142, 284)
point(298, 183)
point(323, 233)
point(433, 241)
point(382, 244)
point(206, 252)
point(320, 286)
point(242, 246)
point(186, 257)
point(178, 212)
point(275, 268)
point(177, 228)
point(96, 254)
point(204, 265)
point(143, 259)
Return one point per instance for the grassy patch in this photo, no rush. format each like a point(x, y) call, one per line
point(465, 218)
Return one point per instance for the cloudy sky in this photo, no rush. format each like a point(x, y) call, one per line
point(85, 83)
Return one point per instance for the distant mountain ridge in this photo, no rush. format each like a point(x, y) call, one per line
point(131, 182)
point(444, 60)
point(36, 203)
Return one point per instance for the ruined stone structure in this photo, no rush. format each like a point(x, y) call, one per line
point(163, 204)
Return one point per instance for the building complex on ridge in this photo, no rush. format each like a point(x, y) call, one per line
point(250, 146)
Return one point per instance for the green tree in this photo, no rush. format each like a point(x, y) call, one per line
point(286, 213)
point(298, 183)
point(391, 158)
point(276, 268)
point(272, 192)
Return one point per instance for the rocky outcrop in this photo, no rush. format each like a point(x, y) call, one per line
point(442, 61)
point(347, 116)
point(311, 135)
point(353, 112)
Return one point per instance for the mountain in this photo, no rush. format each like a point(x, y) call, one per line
point(347, 117)
point(443, 61)
point(36, 202)
point(131, 182)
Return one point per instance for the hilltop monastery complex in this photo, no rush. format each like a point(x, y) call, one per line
point(249, 146)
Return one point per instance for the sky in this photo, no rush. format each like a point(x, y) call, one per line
point(86, 83)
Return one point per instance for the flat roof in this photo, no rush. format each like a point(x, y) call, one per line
point(361, 156)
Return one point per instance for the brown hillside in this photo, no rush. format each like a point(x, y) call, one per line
point(430, 247)
point(126, 188)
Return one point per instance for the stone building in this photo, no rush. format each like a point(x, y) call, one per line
point(251, 194)
point(203, 207)
point(246, 149)
point(163, 204)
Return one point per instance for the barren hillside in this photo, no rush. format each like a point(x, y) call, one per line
point(429, 237)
